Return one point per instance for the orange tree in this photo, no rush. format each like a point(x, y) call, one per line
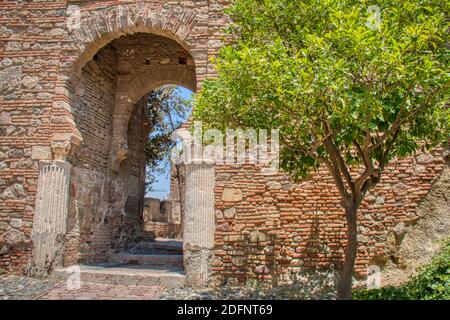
point(346, 83)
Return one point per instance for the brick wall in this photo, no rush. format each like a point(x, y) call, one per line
point(89, 234)
point(40, 72)
point(28, 67)
point(53, 80)
point(161, 230)
point(275, 229)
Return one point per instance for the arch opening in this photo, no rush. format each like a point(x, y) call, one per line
point(109, 105)
point(96, 134)
point(169, 108)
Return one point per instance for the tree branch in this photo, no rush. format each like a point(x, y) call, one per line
point(340, 161)
point(333, 168)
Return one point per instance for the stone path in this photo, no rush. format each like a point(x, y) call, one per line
point(144, 272)
point(100, 291)
point(23, 288)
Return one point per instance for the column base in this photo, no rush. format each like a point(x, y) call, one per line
point(199, 224)
point(50, 217)
point(197, 265)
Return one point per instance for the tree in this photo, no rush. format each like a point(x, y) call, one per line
point(349, 86)
point(167, 112)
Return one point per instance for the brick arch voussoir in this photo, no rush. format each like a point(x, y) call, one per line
point(137, 88)
point(99, 28)
point(143, 83)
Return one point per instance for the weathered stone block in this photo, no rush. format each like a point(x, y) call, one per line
point(380, 200)
point(30, 82)
point(425, 159)
point(5, 117)
point(231, 194)
point(229, 213)
point(258, 236)
point(262, 269)
point(16, 191)
point(14, 237)
point(16, 223)
point(273, 185)
point(10, 78)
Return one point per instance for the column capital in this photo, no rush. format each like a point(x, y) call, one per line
point(61, 149)
point(204, 161)
point(119, 153)
point(63, 145)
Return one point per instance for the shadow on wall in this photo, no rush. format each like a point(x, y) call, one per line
point(262, 258)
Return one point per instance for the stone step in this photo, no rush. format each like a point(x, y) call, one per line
point(163, 246)
point(155, 275)
point(146, 258)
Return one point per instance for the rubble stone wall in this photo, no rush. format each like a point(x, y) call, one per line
point(46, 67)
point(82, 86)
point(88, 232)
point(271, 229)
point(161, 230)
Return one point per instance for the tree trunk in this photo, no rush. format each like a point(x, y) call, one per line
point(345, 279)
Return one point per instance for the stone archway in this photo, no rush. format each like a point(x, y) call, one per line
point(69, 135)
point(95, 29)
point(131, 88)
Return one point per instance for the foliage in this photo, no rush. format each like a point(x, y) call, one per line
point(343, 87)
point(431, 283)
point(167, 111)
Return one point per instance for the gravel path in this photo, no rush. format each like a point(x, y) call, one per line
point(101, 291)
point(292, 292)
point(23, 288)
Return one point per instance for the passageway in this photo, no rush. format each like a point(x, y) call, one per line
point(106, 227)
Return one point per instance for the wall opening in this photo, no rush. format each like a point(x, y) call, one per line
point(110, 108)
point(169, 108)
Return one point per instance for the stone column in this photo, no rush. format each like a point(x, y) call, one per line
point(199, 223)
point(50, 217)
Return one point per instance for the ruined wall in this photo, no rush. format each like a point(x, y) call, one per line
point(266, 227)
point(28, 66)
point(159, 219)
point(41, 58)
point(156, 210)
point(272, 229)
point(152, 210)
point(161, 230)
point(91, 213)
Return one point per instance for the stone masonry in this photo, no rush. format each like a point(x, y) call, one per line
point(72, 132)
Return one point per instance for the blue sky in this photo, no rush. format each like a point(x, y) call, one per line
point(161, 186)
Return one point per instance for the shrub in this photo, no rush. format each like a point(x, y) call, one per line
point(431, 283)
